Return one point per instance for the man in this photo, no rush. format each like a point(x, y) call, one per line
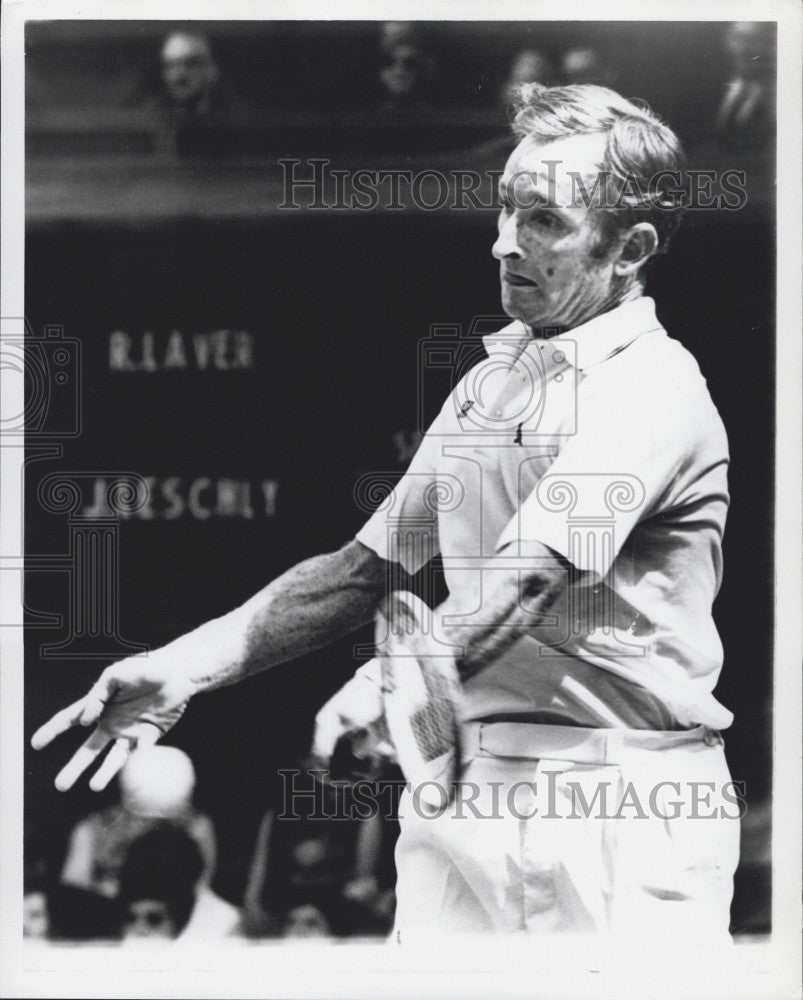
point(408, 69)
point(197, 107)
point(189, 72)
point(578, 499)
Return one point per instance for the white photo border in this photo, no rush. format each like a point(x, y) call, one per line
point(466, 968)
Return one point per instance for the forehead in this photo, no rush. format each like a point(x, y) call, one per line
point(548, 167)
point(179, 47)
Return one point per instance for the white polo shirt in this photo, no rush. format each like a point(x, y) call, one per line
point(604, 445)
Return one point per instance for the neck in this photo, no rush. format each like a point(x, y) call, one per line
point(617, 297)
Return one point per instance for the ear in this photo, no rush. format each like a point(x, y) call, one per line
point(638, 244)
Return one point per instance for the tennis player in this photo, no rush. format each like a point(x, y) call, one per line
point(583, 497)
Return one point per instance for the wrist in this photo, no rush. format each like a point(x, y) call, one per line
point(211, 655)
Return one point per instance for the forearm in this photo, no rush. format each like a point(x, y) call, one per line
point(516, 601)
point(312, 604)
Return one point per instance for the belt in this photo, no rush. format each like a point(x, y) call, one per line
point(533, 741)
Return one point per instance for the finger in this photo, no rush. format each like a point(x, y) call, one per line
point(60, 723)
point(115, 759)
point(81, 759)
point(324, 738)
point(96, 699)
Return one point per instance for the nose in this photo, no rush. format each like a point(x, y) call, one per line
point(507, 245)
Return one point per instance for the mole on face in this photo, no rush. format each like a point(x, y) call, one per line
point(550, 271)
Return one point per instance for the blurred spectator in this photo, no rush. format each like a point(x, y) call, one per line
point(157, 884)
point(190, 73)
point(51, 911)
point(409, 68)
point(197, 114)
point(370, 902)
point(294, 859)
point(317, 852)
point(37, 884)
point(157, 783)
point(161, 892)
point(62, 912)
point(306, 921)
point(577, 65)
point(746, 112)
point(586, 65)
point(35, 911)
point(153, 918)
point(393, 33)
point(528, 66)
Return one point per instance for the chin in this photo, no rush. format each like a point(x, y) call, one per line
point(512, 305)
point(515, 307)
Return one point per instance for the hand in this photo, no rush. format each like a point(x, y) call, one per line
point(132, 704)
point(356, 710)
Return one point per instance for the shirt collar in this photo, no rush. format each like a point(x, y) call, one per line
point(596, 341)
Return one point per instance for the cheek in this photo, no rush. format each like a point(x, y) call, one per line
point(553, 255)
point(575, 265)
point(561, 270)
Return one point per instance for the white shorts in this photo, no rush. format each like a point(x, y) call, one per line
point(562, 829)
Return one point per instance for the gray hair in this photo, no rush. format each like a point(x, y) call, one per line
point(639, 154)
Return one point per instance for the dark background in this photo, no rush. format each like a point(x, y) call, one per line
point(336, 303)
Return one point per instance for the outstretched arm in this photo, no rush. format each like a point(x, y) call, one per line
point(312, 604)
point(137, 700)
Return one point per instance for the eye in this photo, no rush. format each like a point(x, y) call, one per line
point(547, 220)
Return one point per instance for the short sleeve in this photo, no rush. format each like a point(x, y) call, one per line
point(630, 457)
point(404, 527)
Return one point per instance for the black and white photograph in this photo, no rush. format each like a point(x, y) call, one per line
point(400, 549)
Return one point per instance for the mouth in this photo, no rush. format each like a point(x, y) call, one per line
point(516, 279)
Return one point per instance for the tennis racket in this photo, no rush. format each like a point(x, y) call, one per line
point(422, 697)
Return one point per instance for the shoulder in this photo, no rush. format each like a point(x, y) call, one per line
point(655, 368)
point(655, 384)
